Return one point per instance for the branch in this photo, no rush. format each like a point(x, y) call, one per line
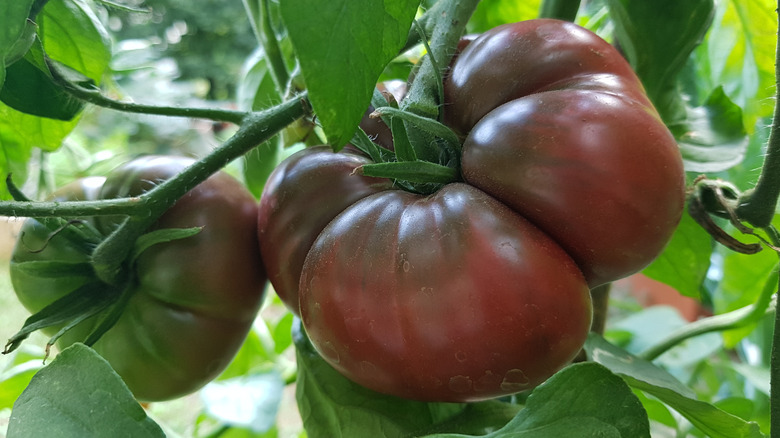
point(726, 321)
point(95, 97)
point(110, 255)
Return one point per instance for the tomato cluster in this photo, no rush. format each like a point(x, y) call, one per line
point(569, 180)
point(193, 300)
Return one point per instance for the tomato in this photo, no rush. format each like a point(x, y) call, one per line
point(300, 197)
point(481, 289)
point(559, 128)
point(448, 297)
point(193, 300)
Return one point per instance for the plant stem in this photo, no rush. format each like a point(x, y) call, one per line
point(757, 206)
point(600, 297)
point(717, 323)
point(446, 25)
point(257, 128)
point(774, 378)
point(560, 9)
point(95, 97)
point(260, 18)
point(103, 207)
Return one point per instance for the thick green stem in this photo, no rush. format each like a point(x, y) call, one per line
point(560, 9)
point(95, 97)
point(104, 207)
point(260, 18)
point(445, 26)
point(757, 206)
point(774, 377)
point(257, 128)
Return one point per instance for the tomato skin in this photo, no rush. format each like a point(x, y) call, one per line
point(194, 299)
point(564, 134)
point(520, 59)
point(450, 297)
point(300, 197)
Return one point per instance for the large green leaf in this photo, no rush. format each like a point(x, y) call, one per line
point(645, 376)
point(29, 88)
point(74, 36)
point(332, 406)
point(343, 46)
point(657, 38)
point(583, 400)
point(685, 260)
point(15, 30)
point(712, 137)
point(79, 394)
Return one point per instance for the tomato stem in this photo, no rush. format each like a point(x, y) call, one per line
point(260, 18)
point(726, 321)
point(757, 206)
point(95, 97)
point(446, 25)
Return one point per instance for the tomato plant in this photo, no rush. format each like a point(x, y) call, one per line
point(192, 301)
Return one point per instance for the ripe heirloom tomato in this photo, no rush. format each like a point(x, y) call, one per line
point(194, 299)
point(447, 297)
point(481, 289)
point(559, 128)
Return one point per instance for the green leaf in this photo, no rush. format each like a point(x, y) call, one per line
point(745, 279)
point(333, 406)
point(686, 259)
point(255, 355)
point(712, 137)
point(14, 380)
point(29, 88)
point(54, 268)
point(164, 235)
point(74, 36)
point(343, 49)
point(657, 38)
point(79, 394)
point(492, 13)
point(582, 400)
point(13, 26)
point(411, 171)
point(282, 333)
point(758, 376)
point(83, 302)
point(646, 377)
point(739, 54)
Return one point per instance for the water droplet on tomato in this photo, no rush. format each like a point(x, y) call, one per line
point(514, 380)
point(460, 384)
